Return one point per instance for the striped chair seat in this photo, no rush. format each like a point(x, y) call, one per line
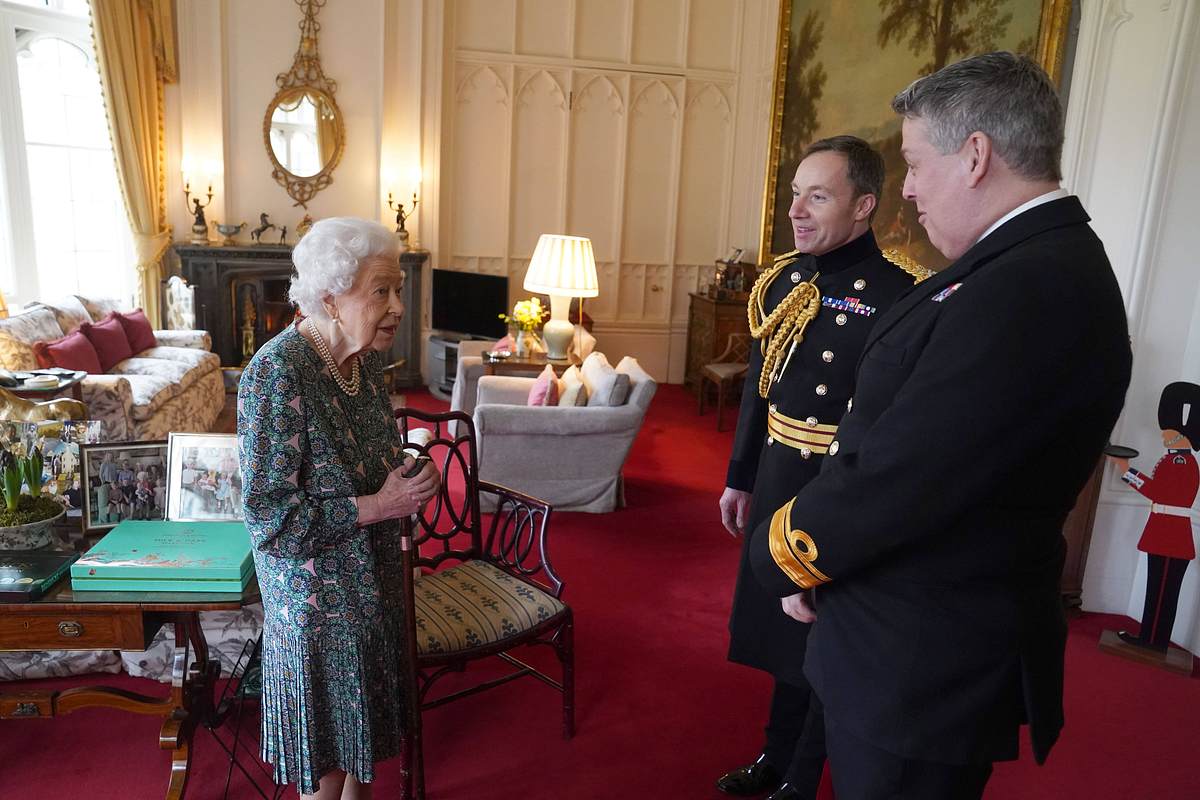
point(475, 604)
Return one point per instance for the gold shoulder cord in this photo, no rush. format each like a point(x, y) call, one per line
point(905, 263)
point(783, 328)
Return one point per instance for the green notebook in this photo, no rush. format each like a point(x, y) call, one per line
point(25, 575)
point(163, 556)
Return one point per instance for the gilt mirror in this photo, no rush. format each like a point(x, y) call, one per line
point(303, 128)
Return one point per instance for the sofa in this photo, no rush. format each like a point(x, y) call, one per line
point(175, 385)
point(571, 457)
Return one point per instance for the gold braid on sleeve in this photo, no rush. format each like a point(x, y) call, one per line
point(783, 329)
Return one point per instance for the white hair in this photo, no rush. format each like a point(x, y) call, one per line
point(328, 258)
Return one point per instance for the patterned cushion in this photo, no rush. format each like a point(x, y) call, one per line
point(174, 371)
point(225, 631)
point(29, 665)
point(18, 333)
point(101, 307)
point(150, 392)
point(69, 312)
point(184, 339)
point(189, 356)
point(475, 604)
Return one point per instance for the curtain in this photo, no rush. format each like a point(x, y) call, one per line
point(327, 129)
point(135, 49)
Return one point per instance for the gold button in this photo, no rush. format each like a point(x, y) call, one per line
point(827, 356)
point(795, 277)
point(822, 389)
point(840, 319)
point(811, 420)
point(805, 452)
point(860, 284)
point(849, 405)
point(833, 448)
point(770, 440)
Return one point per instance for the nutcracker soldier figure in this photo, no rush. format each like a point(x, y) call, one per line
point(1171, 488)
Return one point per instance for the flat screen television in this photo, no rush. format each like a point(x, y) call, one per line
point(469, 303)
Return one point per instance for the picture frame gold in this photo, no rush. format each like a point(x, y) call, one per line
point(1039, 27)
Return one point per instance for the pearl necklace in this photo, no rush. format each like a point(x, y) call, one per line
point(350, 387)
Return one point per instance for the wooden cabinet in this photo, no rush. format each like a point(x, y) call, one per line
point(710, 322)
point(1077, 530)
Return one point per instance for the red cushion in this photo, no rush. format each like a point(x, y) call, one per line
point(137, 330)
point(73, 351)
point(108, 337)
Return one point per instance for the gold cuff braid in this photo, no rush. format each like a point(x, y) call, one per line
point(794, 551)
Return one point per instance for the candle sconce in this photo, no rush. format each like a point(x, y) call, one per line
point(196, 209)
point(401, 216)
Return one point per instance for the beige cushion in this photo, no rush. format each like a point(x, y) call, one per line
point(150, 393)
point(475, 604)
point(605, 386)
point(571, 390)
point(101, 307)
point(189, 356)
point(19, 332)
point(69, 312)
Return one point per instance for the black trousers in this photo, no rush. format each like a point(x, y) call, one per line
point(1164, 578)
point(861, 771)
point(795, 731)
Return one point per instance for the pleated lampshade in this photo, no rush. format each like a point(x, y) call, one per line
point(563, 265)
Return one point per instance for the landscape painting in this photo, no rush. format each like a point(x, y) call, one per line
point(841, 63)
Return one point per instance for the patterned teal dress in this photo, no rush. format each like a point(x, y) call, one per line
point(332, 638)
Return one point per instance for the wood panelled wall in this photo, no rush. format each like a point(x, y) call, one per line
point(612, 119)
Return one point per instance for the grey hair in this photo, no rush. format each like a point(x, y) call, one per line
point(328, 258)
point(1004, 95)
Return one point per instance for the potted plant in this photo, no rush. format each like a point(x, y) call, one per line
point(26, 518)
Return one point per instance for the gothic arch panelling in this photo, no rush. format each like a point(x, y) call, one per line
point(602, 29)
point(480, 162)
point(650, 168)
point(658, 32)
point(597, 137)
point(485, 25)
point(543, 28)
point(707, 130)
point(538, 153)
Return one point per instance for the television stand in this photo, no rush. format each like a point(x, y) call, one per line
point(443, 361)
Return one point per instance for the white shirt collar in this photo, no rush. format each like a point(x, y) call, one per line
point(1057, 194)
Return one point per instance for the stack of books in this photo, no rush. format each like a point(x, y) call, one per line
point(25, 575)
point(166, 556)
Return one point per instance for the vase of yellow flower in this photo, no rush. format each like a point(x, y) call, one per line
point(524, 323)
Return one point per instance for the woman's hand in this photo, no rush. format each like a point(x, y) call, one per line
point(400, 496)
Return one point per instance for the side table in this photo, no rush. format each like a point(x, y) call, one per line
point(525, 365)
point(74, 383)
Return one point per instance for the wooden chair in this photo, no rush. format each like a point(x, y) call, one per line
point(477, 596)
point(728, 369)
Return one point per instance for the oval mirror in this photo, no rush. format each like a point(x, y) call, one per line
point(305, 130)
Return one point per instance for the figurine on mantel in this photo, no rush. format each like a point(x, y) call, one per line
point(265, 226)
point(303, 226)
point(283, 235)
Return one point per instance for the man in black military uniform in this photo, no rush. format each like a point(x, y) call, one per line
point(810, 314)
point(932, 539)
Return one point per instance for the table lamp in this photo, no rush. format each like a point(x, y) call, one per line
point(562, 267)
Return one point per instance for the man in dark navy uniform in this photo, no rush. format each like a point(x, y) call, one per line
point(810, 314)
point(1171, 488)
point(932, 539)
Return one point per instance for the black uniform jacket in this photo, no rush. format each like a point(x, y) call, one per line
point(933, 536)
point(817, 382)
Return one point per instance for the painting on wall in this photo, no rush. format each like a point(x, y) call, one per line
point(839, 64)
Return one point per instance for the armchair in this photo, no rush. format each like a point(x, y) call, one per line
point(477, 595)
point(571, 457)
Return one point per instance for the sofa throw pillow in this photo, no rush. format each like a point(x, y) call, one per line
point(137, 330)
point(545, 389)
point(108, 337)
point(73, 351)
point(605, 386)
point(571, 390)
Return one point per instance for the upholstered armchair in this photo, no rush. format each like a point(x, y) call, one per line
point(571, 457)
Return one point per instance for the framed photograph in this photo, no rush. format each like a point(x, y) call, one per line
point(204, 478)
point(60, 442)
point(838, 65)
point(123, 480)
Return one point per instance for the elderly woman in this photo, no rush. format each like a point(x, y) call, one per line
point(323, 490)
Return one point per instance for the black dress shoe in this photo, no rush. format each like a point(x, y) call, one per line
point(786, 792)
point(751, 779)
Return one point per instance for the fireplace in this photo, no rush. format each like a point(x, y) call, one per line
point(241, 299)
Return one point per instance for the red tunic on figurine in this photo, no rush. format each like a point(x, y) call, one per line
point(1174, 482)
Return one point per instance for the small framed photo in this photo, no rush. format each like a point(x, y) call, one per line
point(123, 480)
point(204, 478)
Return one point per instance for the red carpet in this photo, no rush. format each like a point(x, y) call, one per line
point(660, 711)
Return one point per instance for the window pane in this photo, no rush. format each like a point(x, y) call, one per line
point(81, 232)
point(76, 8)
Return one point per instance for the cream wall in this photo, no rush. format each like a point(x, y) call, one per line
point(394, 64)
point(1133, 123)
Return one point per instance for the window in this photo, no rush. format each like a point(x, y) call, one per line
point(65, 215)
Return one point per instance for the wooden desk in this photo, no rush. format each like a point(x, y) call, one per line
point(525, 365)
point(66, 620)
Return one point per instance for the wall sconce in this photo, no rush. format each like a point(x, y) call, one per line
point(193, 204)
point(401, 216)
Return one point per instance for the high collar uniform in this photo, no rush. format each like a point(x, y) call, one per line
point(933, 537)
point(857, 284)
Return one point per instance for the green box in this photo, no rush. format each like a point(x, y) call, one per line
point(163, 556)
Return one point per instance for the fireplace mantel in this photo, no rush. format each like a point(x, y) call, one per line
point(226, 279)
